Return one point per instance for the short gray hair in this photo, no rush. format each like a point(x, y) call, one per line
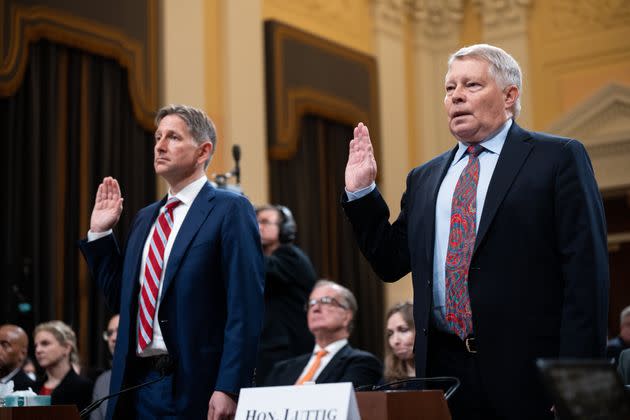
point(200, 125)
point(503, 67)
point(624, 313)
point(348, 296)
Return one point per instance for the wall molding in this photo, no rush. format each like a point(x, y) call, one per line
point(602, 123)
point(27, 24)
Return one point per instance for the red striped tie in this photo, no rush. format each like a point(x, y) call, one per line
point(153, 273)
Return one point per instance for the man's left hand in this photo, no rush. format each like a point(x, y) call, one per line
point(221, 406)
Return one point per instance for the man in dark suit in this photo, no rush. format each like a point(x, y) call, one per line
point(506, 244)
point(189, 285)
point(331, 309)
point(13, 351)
point(289, 278)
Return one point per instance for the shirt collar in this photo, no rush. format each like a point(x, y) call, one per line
point(188, 194)
point(332, 348)
point(10, 375)
point(494, 143)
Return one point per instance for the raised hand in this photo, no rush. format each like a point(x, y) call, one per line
point(361, 166)
point(107, 206)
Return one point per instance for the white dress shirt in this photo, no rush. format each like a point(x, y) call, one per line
point(187, 195)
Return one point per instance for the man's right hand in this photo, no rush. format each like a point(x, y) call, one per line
point(107, 207)
point(361, 166)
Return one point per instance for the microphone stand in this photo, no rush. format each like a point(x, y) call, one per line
point(164, 369)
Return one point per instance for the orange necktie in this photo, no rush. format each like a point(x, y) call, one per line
point(311, 372)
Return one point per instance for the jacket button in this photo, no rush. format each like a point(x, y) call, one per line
point(425, 331)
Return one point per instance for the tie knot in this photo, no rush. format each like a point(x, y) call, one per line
point(321, 353)
point(475, 149)
point(172, 203)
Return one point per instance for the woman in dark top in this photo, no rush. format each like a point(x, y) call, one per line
point(56, 352)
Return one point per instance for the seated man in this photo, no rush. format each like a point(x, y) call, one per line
point(13, 350)
point(621, 342)
point(331, 309)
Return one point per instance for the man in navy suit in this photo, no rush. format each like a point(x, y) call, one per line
point(506, 244)
point(188, 286)
point(331, 309)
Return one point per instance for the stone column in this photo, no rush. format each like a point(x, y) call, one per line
point(435, 36)
point(505, 24)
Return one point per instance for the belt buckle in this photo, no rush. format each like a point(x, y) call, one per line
point(470, 345)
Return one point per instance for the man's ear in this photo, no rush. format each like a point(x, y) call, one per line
point(205, 151)
point(511, 95)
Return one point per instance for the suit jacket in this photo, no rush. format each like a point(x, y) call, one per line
point(624, 366)
point(21, 381)
point(212, 297)
point(538, 278)
point(73, 389)
point(290, 277)
point(348, 365)
point(101, 389)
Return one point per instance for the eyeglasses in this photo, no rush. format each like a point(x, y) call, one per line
point(108, 333)
point(324, 300)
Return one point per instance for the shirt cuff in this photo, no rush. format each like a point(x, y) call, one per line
point(92, 236)
point(360, 193)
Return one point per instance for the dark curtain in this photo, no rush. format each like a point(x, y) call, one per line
point(310, 184)
point(69, 124)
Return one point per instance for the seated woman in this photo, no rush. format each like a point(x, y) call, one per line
point(401, 333)
point(56, 352)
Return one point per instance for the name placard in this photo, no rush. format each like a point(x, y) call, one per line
point(303, 402)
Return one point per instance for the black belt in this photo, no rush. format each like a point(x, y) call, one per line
point(157, 363)
point(469, 345)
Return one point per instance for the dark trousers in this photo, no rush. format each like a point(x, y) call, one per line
point(447, 356)
point(154, 401)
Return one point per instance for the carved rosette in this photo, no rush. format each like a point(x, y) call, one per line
point(503, 16)
point(436, 18)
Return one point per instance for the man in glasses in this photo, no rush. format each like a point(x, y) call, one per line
point(330, 313)
point(101, 386)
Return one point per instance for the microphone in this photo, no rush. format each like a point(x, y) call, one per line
point(401, 384)
point(236, 154)
point(164, 365)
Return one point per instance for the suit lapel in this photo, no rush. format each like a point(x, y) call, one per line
point(332, 366)
point(434, 183)
point(513, 155)
point(201, 206)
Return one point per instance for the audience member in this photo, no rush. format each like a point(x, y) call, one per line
point(621, 342)
point(101, 386)
point(56, 353)
point(13, 350)
point(289, 278)
point(29, 369)
point(331, 310)
point(401, 333)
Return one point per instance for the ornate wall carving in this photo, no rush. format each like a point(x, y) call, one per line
point(583, 16)
point(436, 18)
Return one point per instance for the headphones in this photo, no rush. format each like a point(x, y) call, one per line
point(287, 225)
